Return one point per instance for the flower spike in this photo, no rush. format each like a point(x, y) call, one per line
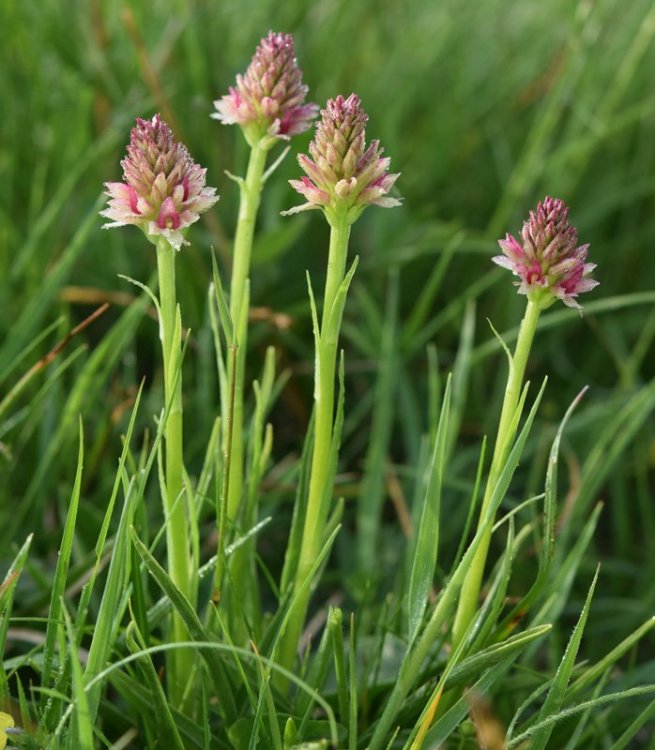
point(548, 261)
point(342, 173)
point(164, 190)
point(269, 99)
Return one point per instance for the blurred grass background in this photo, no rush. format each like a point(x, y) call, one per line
point(484, 107)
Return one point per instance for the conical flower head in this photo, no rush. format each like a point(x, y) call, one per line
point(548, 260)
point(163, 190)
point(269, 99)
point(343, 174)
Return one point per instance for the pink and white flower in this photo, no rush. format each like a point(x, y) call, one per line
point(163, 191)
point(548, 260)
point(269, 99)
point(343, 173)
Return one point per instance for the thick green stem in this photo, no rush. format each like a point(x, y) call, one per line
point(414, 660)
point(468, 600)
point(181, 661)
point(319, 491)
point(251, 189)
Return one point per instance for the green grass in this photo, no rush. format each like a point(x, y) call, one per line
point(483, 107)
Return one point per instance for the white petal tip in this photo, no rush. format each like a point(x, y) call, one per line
point(299, 209)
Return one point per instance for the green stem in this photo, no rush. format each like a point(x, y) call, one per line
point(251, 189)
point(468, 600)
point(319, 491)
point(414, 660)
point(177, 541)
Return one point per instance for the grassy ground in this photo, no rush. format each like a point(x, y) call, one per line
point(483, 107)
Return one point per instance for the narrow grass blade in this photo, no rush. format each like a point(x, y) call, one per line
point(112, 603)
point(443, 610)
point(31, 315)
point(371, 496)
point(550, 517)
point(425, 555)
point(548, 723)
point(557, 692)
point(316, 676)
point(475, 664)
point(7, 589)
point(191, 620)
point(461, 375)
point(566, 572)
point(100, 548)
point(81, 738)
point(89, 383)
point(335, 628)
point(265, 676)
point(611, 445)
point(352, 688)
point(452, 719)
point(336, 313)
point(424, 304)
point(625, 741)
point(221, 304)
point(292, 551)
point(487, 617)
point(279, 625)
point(593, 673)
point(61, 575)
point(166, 729)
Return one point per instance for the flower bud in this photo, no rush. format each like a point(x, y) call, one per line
point(163, 190)
point(269, 99)
point(548, 260)
point(342, 173)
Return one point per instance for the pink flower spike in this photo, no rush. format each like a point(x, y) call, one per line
point(549, 262)
point(341, 167)
point(268, 101)
point(164, 190)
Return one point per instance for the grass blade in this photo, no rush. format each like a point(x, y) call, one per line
point(425, 555)
point(557, 691)
point(61, 574)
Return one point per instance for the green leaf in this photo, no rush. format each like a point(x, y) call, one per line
point(550, 517)
point(442, 612)
point(333, 326)
point(425, 555)
point(61, 575)
point(593, 673)
point(82, 719)
point(646, 716)
point(335, 628)
point(112, 604)
point(7, 589)
point(191, 620)
point(221, 303)
point(372, 493)
point(292, 551)
point(461, 375)
point(488, 657)
point(89, 384)
point(352, 687)
point(165, 726)
point(452, 719)
point(557, 691)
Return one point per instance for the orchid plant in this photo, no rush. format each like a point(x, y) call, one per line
point(217, 648)
point(163, 193)
point(344, 176)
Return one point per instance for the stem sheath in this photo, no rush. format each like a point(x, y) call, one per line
point(507, 425)
point(180, 660)
point(251, 189)
point(320, 489)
